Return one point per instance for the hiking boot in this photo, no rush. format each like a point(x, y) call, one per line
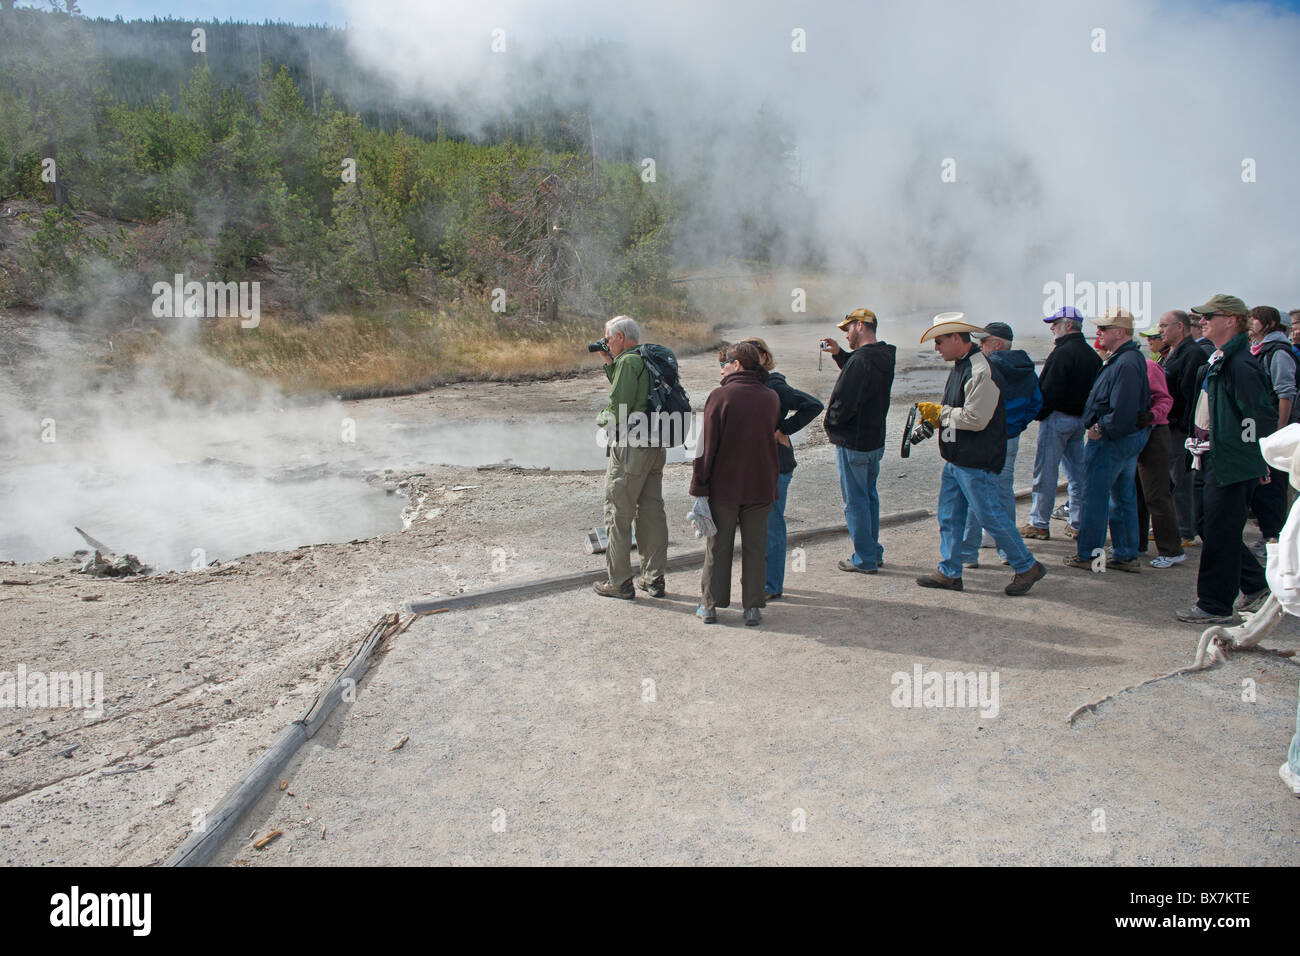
point(1061, 513)
point(850, 566)
point(753, 617)
point(605, 589)
point(1071, 531)
point(1251, 603)
point(1190, 543)
point(1029, 531)
point(1021, 583)
point(709, 615)
point(1289, 777)
point(1194, 615)
point(1167, 560)
point(773, 597)
point(1074, 561)
point(941, 581)
point(655, 587)
point(1132, 565)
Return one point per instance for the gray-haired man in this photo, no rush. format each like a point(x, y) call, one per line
point(634, 474)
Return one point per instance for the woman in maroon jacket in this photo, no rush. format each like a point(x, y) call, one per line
point(735, 469)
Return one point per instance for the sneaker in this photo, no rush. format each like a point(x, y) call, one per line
point(1021, 583)
point(940, 580)
point(1190, 543)
point(1074, 561)
point(1251, 603)
point(1062, 513)
point(1132, 565)
point(709, 615)
point(753, 617)
point(1194, 615)
point(1071, 531)
point(1029, 531)
point(605, 589)
point(1168, 560)
point(655, 587)
point(1289, 777)
point(850, 566)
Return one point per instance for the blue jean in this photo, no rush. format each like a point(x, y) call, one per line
point(1110, 495)
point(858, 473)
point(1060, 438)
point(1006, 498)
point(775, 576)
point(961, 491)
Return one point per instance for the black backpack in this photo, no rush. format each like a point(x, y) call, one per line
point(667, 404)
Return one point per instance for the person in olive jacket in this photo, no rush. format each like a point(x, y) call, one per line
point(735, 468)
point(797, 410)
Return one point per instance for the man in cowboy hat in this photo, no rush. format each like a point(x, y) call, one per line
point(1117, 417)
point(855, 425)
point(972, 426)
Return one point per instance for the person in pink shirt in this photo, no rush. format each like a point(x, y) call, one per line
point(1156, 496)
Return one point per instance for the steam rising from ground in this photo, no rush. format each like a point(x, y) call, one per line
point(1122, 165)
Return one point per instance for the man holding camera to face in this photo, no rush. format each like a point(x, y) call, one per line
point(635, 470)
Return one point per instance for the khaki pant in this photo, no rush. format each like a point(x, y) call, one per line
point(715, 582)
point(634, 481)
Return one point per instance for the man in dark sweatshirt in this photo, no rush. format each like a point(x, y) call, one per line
point(1068, 374)
point(1023, 399)
point(855, 425)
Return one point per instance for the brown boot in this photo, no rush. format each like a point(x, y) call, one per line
point(1041, 534)
point(940, 580)
point(1021, 583)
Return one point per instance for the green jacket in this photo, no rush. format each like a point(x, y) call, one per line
point(1243, 409)
point(630, 387)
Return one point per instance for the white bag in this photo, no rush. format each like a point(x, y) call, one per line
point(701, 519)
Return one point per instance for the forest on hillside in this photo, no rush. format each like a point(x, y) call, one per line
point(147, 160)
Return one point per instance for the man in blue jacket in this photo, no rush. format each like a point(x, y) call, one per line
point(1023, 399)
point(1117, 417)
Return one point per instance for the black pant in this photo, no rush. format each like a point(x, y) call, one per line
point(1269, 504)
point(1227, 566)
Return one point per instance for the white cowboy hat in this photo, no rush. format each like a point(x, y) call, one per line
point(947, 322)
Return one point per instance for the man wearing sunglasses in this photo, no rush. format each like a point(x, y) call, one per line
point(1235, 407)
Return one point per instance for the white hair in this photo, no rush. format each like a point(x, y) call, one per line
point(625, 324)
point(1071, 325)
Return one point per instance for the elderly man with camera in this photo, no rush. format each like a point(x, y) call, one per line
point(635, 471)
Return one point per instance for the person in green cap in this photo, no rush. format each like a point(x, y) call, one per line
point(1235, 408)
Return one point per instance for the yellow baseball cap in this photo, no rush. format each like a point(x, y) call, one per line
point(858, 315)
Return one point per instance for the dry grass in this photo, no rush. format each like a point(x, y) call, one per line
point(360, 355)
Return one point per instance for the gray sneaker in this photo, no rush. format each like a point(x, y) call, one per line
point(1194, 615)
point(1251, 603)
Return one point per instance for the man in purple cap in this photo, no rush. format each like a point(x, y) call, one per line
point(1067, 377)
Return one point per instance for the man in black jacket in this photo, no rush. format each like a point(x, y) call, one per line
point(1183, 360)
point(1067, 376)
point(855, 425)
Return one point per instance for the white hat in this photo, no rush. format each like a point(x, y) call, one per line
point(948, 322)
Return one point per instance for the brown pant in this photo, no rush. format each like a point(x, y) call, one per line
point(715, 581)
point(1153, 473)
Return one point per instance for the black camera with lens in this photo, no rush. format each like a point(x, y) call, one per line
point(601, 346)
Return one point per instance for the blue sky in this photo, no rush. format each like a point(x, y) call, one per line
point(324, 11)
